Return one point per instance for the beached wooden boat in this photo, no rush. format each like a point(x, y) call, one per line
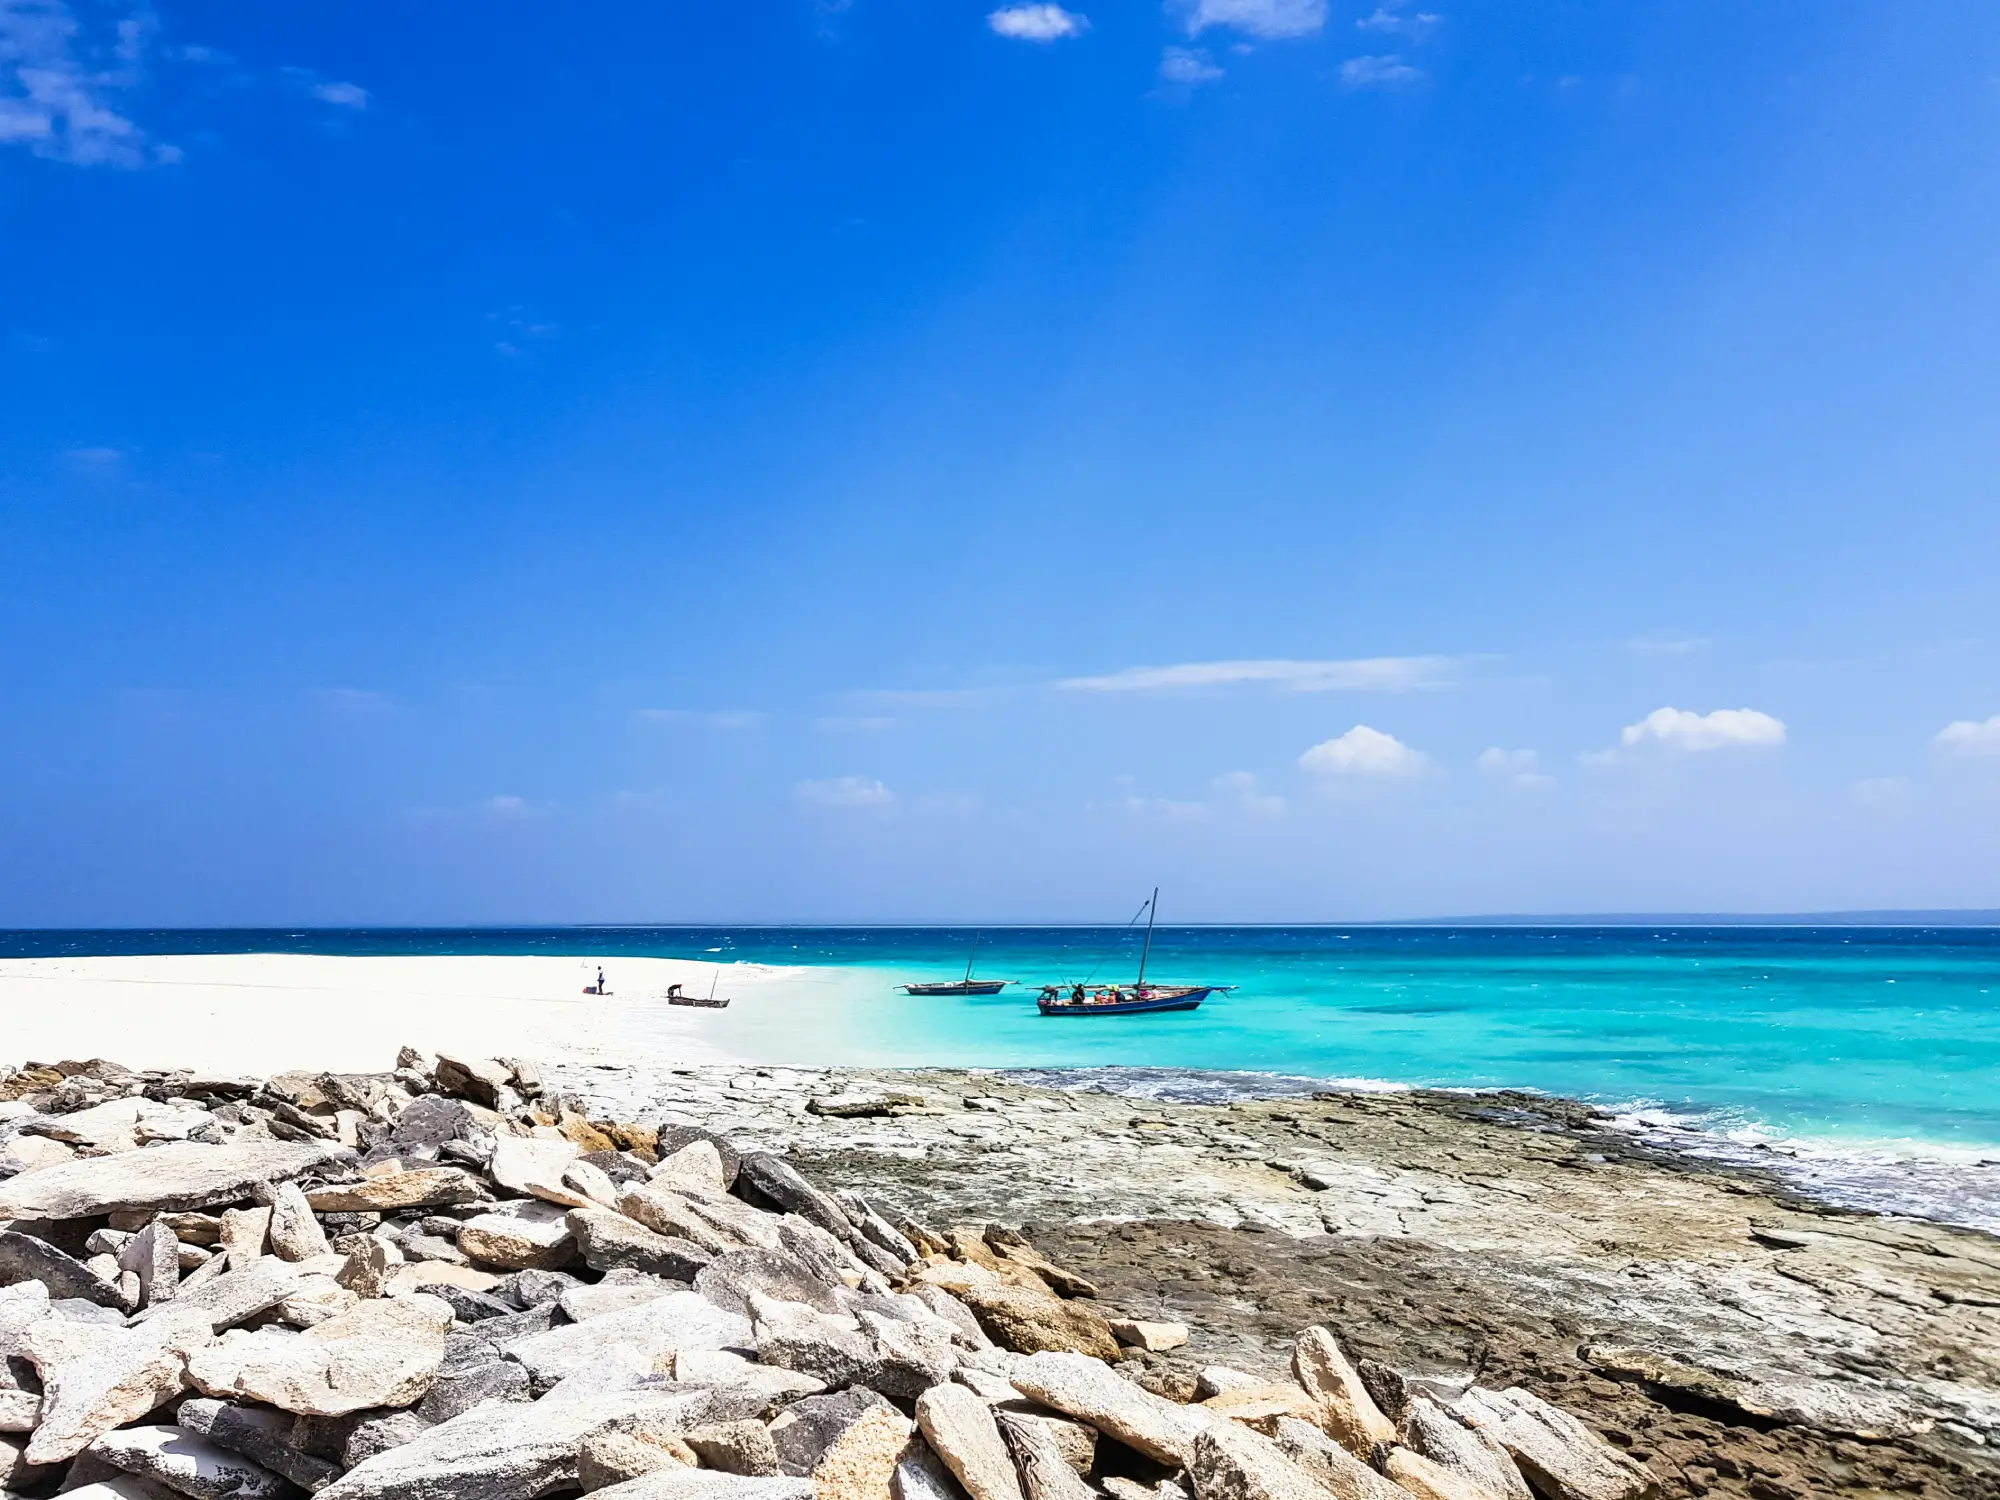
point(966, 986)
point(1137, 998)
point(705, 1002)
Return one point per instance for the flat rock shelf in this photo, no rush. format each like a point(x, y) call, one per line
point(473, 1278)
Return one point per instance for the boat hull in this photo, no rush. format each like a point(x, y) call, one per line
point(1175, 999)
point(959, 987)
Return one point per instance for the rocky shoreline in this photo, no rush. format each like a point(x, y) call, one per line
point(470, 1277)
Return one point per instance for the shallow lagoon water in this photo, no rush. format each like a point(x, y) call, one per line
point(1856, 1048)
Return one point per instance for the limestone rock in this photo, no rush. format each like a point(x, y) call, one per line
point(863, 1459)
point(1044, 1473)
point(1260, 1406)
point(246, 1234)
point(96, 1378)
point(505, 1451)
point(392, 1192)
point(609, 1241)
point(434, 1276)
point(1429, 1481)
point(484, 1080)
point(1560, 1456)
point(1074, 1442)
point(702, 1484)
point(26, 1258)
point(910, 1356)
point(612, 1457)
point(698, 1162)
point(171, 1178)
point(1230, 1462)
point(535, 1165)
point(921, 1475)
point(295, 1233)
point(369, 1267)
point(377, 1433)
point(188, 1464)
point(807, 1430)
point(651, 1330)
point(1333, 1466)
point(728, 1280)
point(741, 1447)
point(382, 1353)
point(796, 1337)
point(1091, 1392)
point(261, 1435)
point(615, 1293)
point(1032, 1322)
point(154, 1254)
point(777, 1180)
point(16, 1473)
point(1437, 1435)
point(521, 1237)
point(234, 1296)
point(1156, 1337)
point(1348, 1413)
point(22, 1304)
point(19, 1410)
point(590, 1180)
point(462, 1386)
point(961, 1430)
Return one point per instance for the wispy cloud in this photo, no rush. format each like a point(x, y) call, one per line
point(1669, 645)
point(1234, 794)
point(1970, 737)
point(1395, 20)
point(1377, 72)
point(844, 791)
point(1381, 674)
point(1189, 65)
point(506, 808)
point(1365, 752)
point(1273, 20)
point(341, 95)
point(60, 87)
point(96, 462)
point(855, 723)
point(1037, 23)
point(1881, 791)
point(725, 719)
point(1519, 768)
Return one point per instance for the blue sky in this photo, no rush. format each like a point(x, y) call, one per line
point(872, 460)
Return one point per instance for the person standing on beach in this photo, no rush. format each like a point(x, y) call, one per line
point(600, 979)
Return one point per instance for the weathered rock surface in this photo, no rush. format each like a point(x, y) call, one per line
point(259, 1434)
point(420, 1187)
point(535, 1166)
point(961, 1430)
point(1428, 1481)
point(651, 1330)
point(1436, 1434)
point(608, 1241)
point(188, 1464)
point(1085, 1389)
point(808, 1429)
point(97, 1378)
point(504, 1451)
point(170, 1178)
point(862, 1461)
point(607, 1458)
point(1228, 1462)
point(295, 1233)
point(381, 1353)
point(701, 1484)
point(1332, 1465)
point(24, 1257)
point(1559, 1455)
point(1348, 1413)
point(521, 1237)
point(742, 1447)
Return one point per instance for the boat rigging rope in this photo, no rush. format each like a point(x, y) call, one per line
point(1121, 940)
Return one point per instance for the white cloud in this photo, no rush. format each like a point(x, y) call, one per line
point(1187, 65)
point(1241, 791)
point(1370, 674)
point(1669, 645)
point(59, 88)
point(505, 808)
point(1522, 768)
point(1970, 737)
point(1271, 19)
point(1390, 18)
point(722, 718)
point(845, 791)
point(1037, 23)
point(345, 95)
point(1364, 752)
point(1684, 729)
point(1377, 72)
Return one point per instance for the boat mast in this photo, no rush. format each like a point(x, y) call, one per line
point(1152, 911)
point(975, 954)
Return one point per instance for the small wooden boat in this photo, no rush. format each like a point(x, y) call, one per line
point(966, 986)
point(705, 1002)
point(1127, 999)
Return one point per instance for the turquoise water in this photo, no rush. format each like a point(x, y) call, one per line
point(1852, 1047)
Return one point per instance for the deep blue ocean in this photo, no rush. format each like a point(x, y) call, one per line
point(1848, 1055)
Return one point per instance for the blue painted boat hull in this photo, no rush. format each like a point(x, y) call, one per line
point(1177, 999)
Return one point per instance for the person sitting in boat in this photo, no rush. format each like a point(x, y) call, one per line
point(1077, 996)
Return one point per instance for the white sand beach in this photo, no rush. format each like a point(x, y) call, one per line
point(266, 1012)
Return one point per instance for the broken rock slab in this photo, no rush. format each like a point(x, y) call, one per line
point(960, 1429)
point(96, 1378)
point(525, 1236)
point(863, 1459)
point(381, 1353)
point(1560, 1456)
point(189, 1464)
point(704, 1484)
point(392, 1192)
point(1437, 1435)
point(260, 1435)
point(171, 1178)
point(807, 1430)
point(1093, 1393)
point(1228, 1462)
point(608, 1241)
point(25, 1258)
point(1348, 1413)
point(506, 1451)
point(1337, 1470)
point(1156, 1337)
point(682, 1320)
